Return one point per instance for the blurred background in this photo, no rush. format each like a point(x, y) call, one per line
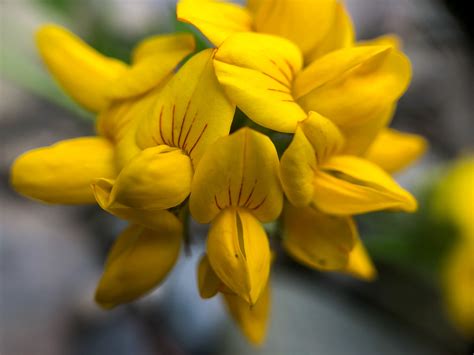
point(51, 256)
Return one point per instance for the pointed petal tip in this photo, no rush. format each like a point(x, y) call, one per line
point(57, 174)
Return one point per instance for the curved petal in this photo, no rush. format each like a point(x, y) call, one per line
point(81, 71)
point(208, 282)
point(297, 166)
point(153, 61)
point(350, 85)
point(316, 139)
point(63, 172)
point(304, 22)
point(347, 185)
point(257, 73)
point(157, 178)
point(385, 40)
point(119, 122)
point(216, 20)
point(239, 253)
point(139, 261)
point(358, 138)
point(179, 44)
point(191, 112)
point(340, 35)
point(240, 170)
point(360, 265)
point(318, 240)
point(252, 320)
point(152, 219)
point(394, 151)
point(324, 136)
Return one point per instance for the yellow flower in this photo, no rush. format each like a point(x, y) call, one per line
point(251, 319)
point(139, 260)
point(164, 136)
point(94, 80)
point(314, 171)
point(355, 87)
point(263, 75)
point(235, 187)
point(63, 172)
point(325, 187)
point(326, 20)
point(121, 94)
point(188, 115)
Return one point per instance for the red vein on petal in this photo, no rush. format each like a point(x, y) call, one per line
point(278, 90)
point(230, 195)
point(182, 122)
point(198, 139)
point(259, 205)
point(280, 69)
point(217, 203)
point(172, 123)
point(161, 125)
point(250, 194)
point(289, 66)
point(189, 130)
point(277, 80)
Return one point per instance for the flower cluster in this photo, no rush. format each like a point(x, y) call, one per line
point(167, 143)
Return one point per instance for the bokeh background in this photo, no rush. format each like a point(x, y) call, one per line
point(51, 256)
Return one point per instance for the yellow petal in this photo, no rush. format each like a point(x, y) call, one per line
point(139, 260)
point(81, 71)
point(191, 111)
point(394, 151)
point(63, 172)
point(208, 282)
point(315, 140)
point(347, 185)
point(239, 252)
point(304, 22)
point(297, 167)
point(458, 286)
point(333, 66)
point(240, 170)
point(153, 60)
point(340, 35)
point(360, 265)
point(257, 72)
point(152, 219)
point(155, 179)
point(216, 20)
point(119, 122)
point(324, 136)
point(350, 85)
point(252, 320)
point(165, 43)
point(318, 240)
point(385, 40)
point(359, 137)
